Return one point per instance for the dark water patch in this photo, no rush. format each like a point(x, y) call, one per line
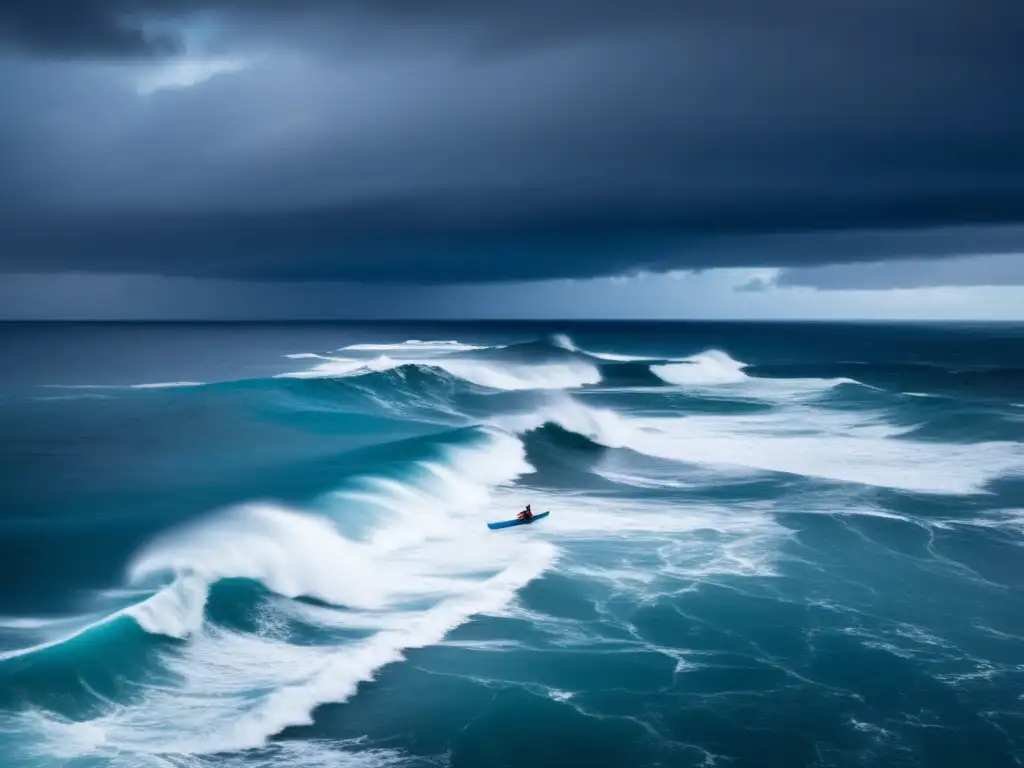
point(861, 573)
point(632, 374)
point(983, 381)
point(901, 537)
point(404, 707)
point(672, 623)
point(554, 443)
point(995, 555)
point(572, 669)
point(563, 459)
point(719, 730)
point(559, 735)
point(929, 715)
point(81, 452)
point(772, 625)
point(721, 675)
point(562, 597)
point(1006, 493)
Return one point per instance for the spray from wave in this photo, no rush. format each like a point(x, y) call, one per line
point(711, 367)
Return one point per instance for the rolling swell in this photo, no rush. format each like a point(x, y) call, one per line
point(681, 486)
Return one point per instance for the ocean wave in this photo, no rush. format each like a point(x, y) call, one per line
point(411, 549)
point(714, 368)
point(563, 341)
point(490, 374)
point(815, 443)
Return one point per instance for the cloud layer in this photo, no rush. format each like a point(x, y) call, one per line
point(457, 141)
point(992, 270)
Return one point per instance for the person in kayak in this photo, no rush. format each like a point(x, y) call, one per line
point(525, 515)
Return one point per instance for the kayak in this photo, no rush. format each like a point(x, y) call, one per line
point(510, 523)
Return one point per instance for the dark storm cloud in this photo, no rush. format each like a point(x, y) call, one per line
point(457, 140)
point(77, 28)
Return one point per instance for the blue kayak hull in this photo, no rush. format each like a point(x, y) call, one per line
point(513, 523)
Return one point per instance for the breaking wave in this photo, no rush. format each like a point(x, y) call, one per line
point(421, 565)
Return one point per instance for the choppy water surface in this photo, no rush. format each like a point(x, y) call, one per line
point(779, 545)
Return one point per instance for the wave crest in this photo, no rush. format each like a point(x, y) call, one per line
point(711, 367)
point(491, 374)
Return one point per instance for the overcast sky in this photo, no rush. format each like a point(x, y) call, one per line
point(649, 158)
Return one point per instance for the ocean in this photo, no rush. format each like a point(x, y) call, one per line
point(235, 545)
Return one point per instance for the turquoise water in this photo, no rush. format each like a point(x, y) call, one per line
point(266, 545)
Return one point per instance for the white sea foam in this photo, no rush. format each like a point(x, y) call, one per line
point(640, 481)
point(16, 622)
point(711, 367)
point(168, 385)
point(597, 517)
point(715, 368)
point(562, 341)
point(414, 346)
point(799, 440)
point(425, 565)
point(652, 548)
point(614, 357)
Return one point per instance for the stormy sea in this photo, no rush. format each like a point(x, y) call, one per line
point(236, 545)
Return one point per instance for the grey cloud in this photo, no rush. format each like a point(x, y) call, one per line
point(462, 141)
point(755, 285)
point(79, 28)
point(987, 270)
